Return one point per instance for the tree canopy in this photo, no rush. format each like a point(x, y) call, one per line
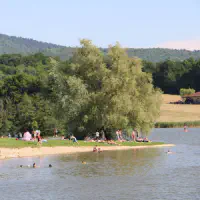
point(170, 76)
point(90, 91)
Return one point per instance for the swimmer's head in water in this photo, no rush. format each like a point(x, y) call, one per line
point(20, 165)
point(34, 165)
point(50, 165)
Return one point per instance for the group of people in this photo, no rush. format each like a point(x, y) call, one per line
point(97, 149)
point(71, 138)
point(99, 140)
point(119, 135)
point(100, 135)
point(35, 136)
point(34, 166)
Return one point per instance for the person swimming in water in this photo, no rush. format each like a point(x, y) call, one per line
point(34, 165)
point(169, 152)
point(95, 149)
point(185, 128)
point(50, 165)
point(99, 150)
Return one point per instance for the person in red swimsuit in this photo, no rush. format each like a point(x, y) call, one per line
point(133, 135)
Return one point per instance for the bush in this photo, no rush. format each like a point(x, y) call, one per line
point(184, 91)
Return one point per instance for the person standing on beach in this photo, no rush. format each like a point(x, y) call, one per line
point(120, 134)
point(102, 134)
point(34, 135)
point(55, 132)
point(117, 134)
point(133, 135)
point(39, 137)
point(97, 135)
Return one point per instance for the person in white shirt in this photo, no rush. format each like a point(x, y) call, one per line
point(97, 135)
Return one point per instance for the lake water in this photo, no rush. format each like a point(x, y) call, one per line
point(142, 174)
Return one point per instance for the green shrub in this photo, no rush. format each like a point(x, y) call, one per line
point(184, 91)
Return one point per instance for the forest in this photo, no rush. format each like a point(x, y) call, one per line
point(88, 92)
point(170, 76)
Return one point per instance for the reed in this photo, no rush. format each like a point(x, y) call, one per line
point(177, 124)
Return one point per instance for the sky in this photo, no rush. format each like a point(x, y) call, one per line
point(133, 23)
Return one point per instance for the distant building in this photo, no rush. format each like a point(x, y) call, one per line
point(192, 98)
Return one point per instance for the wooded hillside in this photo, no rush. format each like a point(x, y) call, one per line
point(15, 45)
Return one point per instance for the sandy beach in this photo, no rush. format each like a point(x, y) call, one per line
point(29, 152)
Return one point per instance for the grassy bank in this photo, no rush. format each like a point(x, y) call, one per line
point(12, 143)
point(175, 115)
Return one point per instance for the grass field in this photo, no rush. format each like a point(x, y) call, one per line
point(178, 112)
point(12, 143)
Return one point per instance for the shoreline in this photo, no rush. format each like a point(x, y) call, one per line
point(6, 153)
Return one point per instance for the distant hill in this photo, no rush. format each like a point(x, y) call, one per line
point(12, 44)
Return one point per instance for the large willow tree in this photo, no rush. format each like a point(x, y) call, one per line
point(109, 91)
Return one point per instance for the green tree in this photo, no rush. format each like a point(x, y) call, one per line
point(118, 96)
point(128, 93)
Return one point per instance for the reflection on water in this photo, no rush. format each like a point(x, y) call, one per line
point(133, 174)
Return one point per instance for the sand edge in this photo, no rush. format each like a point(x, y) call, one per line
point(30, 152)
